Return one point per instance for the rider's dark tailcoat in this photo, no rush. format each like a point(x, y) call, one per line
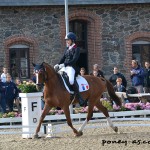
point(70, 57)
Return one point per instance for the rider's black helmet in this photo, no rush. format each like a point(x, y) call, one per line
point(71, 36)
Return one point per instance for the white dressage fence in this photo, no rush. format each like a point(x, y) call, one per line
point(56, 127)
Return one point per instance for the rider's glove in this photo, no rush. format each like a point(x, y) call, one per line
point(61, 66)
point(56, 67)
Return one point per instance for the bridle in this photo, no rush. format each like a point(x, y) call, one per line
point(42, 71)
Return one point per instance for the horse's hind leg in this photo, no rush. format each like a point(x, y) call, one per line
point(69, 122)
point(105, 112)
point(44, 113)
point(89, 116)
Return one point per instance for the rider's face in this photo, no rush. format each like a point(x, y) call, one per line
point(68, 42)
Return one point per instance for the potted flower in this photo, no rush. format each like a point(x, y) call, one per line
point(31, 107)
point(27, 87)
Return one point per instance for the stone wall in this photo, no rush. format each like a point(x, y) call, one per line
point(43, 26)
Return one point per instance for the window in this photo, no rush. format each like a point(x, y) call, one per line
point(19, 61)
point(141, 51)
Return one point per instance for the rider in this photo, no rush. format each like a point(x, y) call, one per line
point(68, 63)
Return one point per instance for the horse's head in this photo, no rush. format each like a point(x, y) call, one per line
point(40, 73)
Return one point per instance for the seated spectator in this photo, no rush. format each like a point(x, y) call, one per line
point(96, 68)
point(132, 90)
point(82, 71)
point(119, 87)
point(116, 75)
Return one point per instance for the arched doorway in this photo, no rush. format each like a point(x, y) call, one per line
point(141, 51)
point(22, 51)
point(19, 61)
point(94, 34)
point(79, 27)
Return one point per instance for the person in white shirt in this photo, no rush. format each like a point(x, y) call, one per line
point(3, 75)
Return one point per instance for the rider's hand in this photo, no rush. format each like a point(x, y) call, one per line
point(56, 67)
point(61, 66)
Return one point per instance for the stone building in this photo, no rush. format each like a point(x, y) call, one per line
point(110, 33)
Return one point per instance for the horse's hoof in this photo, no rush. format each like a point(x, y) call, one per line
point(115, 129)
point(80, 133)
point(35, 136)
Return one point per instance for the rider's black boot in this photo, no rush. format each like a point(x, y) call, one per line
point(75, 87)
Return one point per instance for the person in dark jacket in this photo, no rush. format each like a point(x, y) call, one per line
point(68, 64)
point(2, 97)
point(137, 76)
point(11, 92)
point(116, 75)
point(147, 78)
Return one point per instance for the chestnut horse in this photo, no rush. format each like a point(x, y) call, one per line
point(56, 95)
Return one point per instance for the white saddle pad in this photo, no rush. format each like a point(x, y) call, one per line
point(83, 84)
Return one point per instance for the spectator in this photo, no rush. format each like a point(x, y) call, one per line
point(137, 76)
point(119, 87)
point(30, 81)
point(18, 99)
point(116, 75)
point(132, 90)
point(147, 78)
point(2, 97)
point(18, 81)
point(95, 73)
point(96, 68)
point(11, 92)
point(34, 77)
point(3, 75)
point(82, 71)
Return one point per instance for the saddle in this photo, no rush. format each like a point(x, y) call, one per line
point(83, 84)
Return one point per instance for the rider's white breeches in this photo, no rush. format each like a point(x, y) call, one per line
point(70, 72)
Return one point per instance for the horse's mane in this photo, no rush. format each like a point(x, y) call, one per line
point(57, 74)
point(50, 67)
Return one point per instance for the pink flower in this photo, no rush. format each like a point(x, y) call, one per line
point(132, 108)
point(147, 107)
point(115, 107)
point(95, 108)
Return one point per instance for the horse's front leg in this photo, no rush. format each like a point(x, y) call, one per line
point(44, 113)
point(69, 122)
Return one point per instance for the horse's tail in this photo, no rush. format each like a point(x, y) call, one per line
point(112, 93)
